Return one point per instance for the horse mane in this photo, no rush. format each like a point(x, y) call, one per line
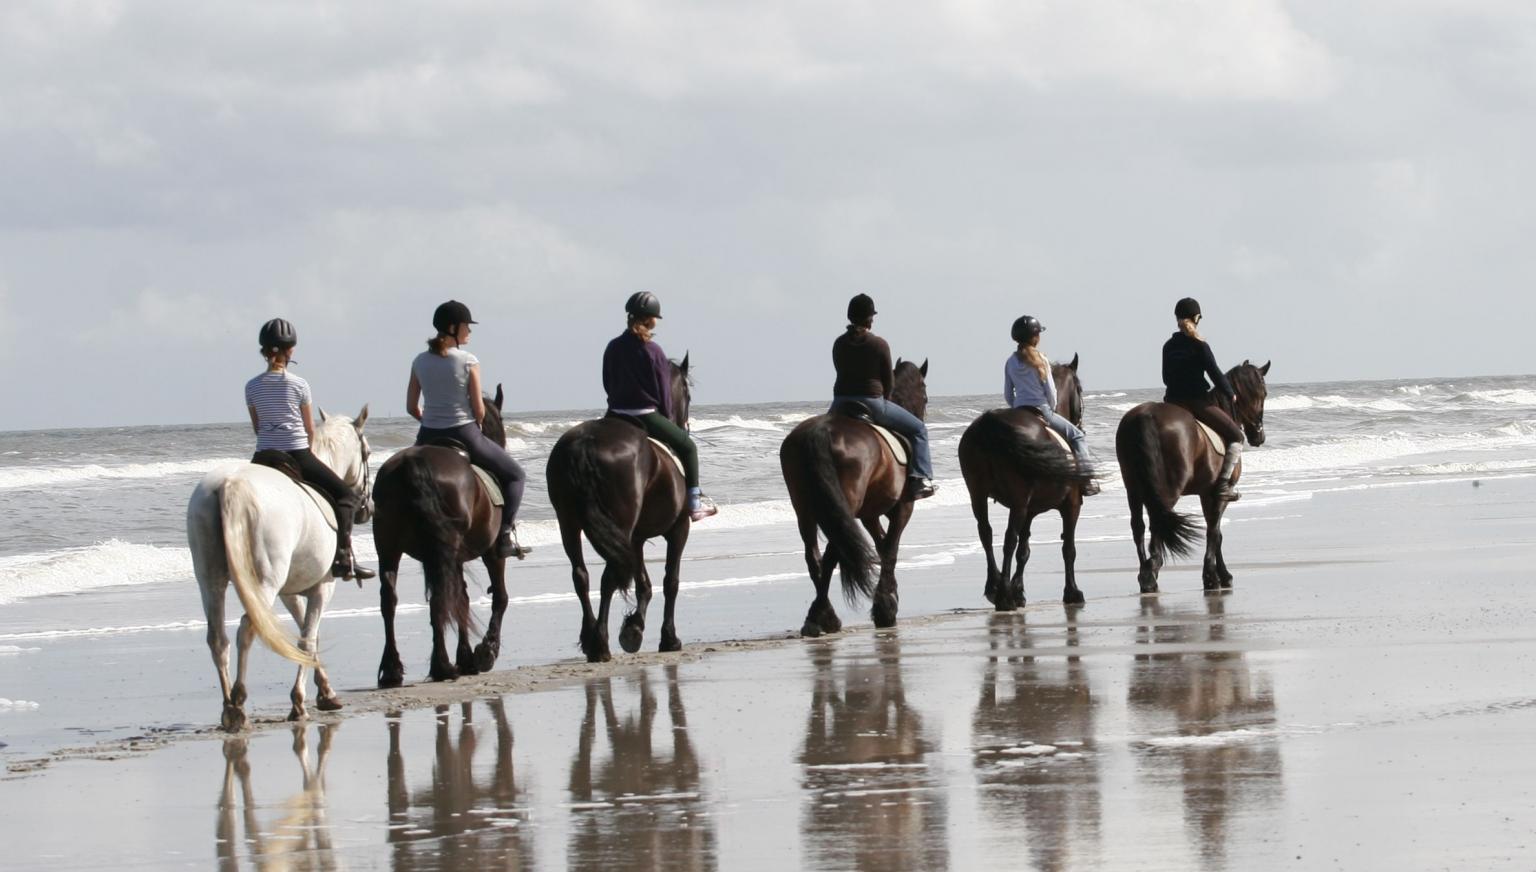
point(1244, 378)
point(1075, 401)
point(325, 434)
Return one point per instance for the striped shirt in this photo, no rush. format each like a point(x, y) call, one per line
point(444, 380)
point(277, 398)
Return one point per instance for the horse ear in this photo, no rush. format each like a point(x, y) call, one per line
point(1073, 364)
point(924, 368)
point(898, 363)
point(361, 419)
point(322, 414)
point(1264, 370)
point(499, 397)
point(684, 365)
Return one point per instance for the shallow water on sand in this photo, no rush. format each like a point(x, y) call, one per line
point(1361, 700)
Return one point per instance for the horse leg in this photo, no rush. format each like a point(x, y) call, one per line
point(464, 656)
point(490, 644)
point(632, 632)
point(570, 539)
point(883, 608)
point(1145, 575)
point(822, 617)
point(1003, 600)
point(320, 597)
point(613, 576)
point(1073, 507)
point(677, 539)
point(391, 670)
point(218, 646)
point(811, 628)
point(440, 668)
point(1213, 574)
point(984, 530)
point(300, 684)
point(1016, 584)
point(234, 713)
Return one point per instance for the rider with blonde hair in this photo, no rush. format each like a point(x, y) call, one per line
point(1187, 361)
point(1027, 383)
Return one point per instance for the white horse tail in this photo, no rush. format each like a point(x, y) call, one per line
point(237, 504)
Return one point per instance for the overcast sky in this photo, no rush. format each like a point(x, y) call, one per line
point(1346, 187)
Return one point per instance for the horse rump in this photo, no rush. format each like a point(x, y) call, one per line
point(831, 512)
point(993, 434)
point(1139, 448)
point(411, 487)
point(575, 472)
point(238, 510)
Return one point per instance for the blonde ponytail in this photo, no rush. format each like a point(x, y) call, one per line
point(1187, 326)
point(1032, 356)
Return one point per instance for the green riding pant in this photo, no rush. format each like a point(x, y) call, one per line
point(661, 428)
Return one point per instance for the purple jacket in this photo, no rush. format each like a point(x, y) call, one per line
point(637, 374)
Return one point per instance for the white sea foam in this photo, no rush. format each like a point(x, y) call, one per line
point(104, 564)
point(48, 476)
point(18, 705)
point(1295, 402)
point(1505, 397)
point(12, 650)
point(1109, 396)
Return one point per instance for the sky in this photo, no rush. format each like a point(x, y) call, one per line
point(1346, 187)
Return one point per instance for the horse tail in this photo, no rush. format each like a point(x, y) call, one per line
point(239, 509)
point(1031, 458)
point(830, 509)
point(441, 566)
point(1140, 447)
point(586, 475)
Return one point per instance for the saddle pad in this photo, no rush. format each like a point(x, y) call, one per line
point(666, 451)
point(491, 485)
point(1212, 437)
point(326, 511)
point(1060, 439)
point(897, 447)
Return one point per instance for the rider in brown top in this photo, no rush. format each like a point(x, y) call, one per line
point(1187, 361)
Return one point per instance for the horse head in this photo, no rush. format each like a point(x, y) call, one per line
point(492, 425)
point(909, 388)
point(341, 445)
point(1069, 391)
point(682, 393)
point(1248, 382)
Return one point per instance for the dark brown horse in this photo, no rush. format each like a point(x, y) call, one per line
point(429, 503)
point(1163, 456)
point(606, 479)
point(841, 474)
point(1008, 455)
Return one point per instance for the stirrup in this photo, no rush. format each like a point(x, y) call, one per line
point(704, 508)
point(1091, 487)
point(917, 489)
point(1227, 493)
point(508, 546)
point(345, 566)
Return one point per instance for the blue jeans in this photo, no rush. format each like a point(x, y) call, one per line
point(888, 414)
point(1069, 432)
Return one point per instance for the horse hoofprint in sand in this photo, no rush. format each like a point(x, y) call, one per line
point(251, 525)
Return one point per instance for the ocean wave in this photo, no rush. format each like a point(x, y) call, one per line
point(104, 564)
point(48, 476)
point(1366, 450)
point(1109, 396)
point(1299, 402)
point(13, 650)
point(1501, 397)
point(18, 705)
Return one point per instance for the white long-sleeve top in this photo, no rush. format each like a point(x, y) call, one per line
point(1023, 386)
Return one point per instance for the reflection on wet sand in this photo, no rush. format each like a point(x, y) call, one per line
point(300, 838)
point(456, 822)
point(639, 809)
point(1037, 764)
point(872, 801)
point(1215, 721)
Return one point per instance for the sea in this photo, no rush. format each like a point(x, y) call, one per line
point(93, 542)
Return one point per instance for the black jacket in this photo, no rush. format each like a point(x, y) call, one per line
point(1186, 363)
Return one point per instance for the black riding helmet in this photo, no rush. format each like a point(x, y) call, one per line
point(643, 304)
point(1188, 307)
point(1026, 328)
point(861, 308)
point(278, 333)
point(451, 313)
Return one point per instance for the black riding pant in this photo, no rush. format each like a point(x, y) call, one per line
point(1215, 417)
point(485, 453)
point(342, 495)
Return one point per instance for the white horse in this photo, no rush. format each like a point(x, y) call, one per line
point(252, 525)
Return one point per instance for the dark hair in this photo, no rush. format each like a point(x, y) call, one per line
point(439, 343)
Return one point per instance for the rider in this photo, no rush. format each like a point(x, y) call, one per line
point(637, 377)
point(863, 363)
point(1027, 382)
point(454, 408)
point(1187, 360)
point(279, 403)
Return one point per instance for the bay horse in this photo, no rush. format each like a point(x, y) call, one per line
point(431, 505)
point(1010, 456)
point(608, 480)
point(1163, 456)
point(842, 475)
point(252, 526)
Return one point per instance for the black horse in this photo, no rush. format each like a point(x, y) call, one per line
point(429, 503)
point(608, 480)
point(1163, 456)
point(840, 475)
point(1008, 455)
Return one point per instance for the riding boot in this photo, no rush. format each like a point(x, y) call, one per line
point(917, 489)
point(699, 505)
point(506, 541)
point(1085, 466)
point(344, 565)
point(1224, 488)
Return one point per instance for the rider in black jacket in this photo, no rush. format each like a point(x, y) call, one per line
point(1187, 361)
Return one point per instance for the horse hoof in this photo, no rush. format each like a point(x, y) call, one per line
point(990, 593)
point(295, 714)
point(485, 657)
point(883, 615)
point(233, 720)
point(446, 673)
point(1004, 605)
point(630, 638)
point(669, 644)
point(831, 623)
point(387, 681)
point(1149, 590)
point(328, 704)
point(1073, 598)
point(810, 630)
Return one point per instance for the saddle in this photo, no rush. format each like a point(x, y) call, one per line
point(666, 450)
point(284, 463)
point(899, 444)
point(1213, 438)
point(1060, 439)
point(488, 481)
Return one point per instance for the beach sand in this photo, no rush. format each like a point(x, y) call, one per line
point(1363, 698)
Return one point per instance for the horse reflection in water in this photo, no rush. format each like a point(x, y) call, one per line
point(300, 839)
point(639, 809)
point(1034, 694)
point(872, 802)
point(1205, 696)
point(457, 821)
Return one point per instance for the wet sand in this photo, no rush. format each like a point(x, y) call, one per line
point(1364, 698)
